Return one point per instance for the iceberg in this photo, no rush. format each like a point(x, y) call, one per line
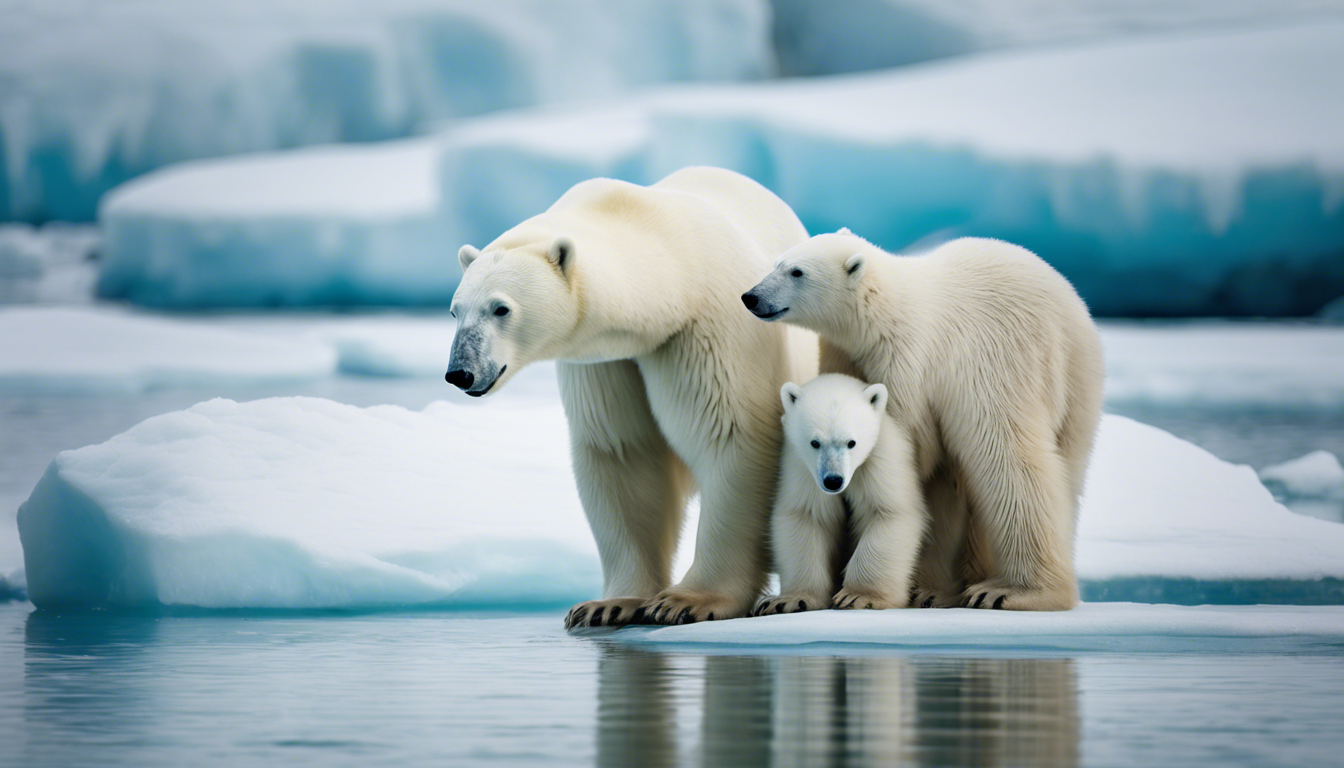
point(1317, 475)
point(297, 503)
point(93, 95)
point(82, 349)
point(1173, 175)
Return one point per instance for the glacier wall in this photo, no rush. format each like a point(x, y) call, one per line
point(92, 94)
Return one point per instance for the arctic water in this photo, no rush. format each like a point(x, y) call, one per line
point(454, 688)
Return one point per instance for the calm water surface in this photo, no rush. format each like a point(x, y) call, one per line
point(449, 689)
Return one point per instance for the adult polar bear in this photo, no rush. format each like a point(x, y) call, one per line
point(667, 383)
point(994, 367)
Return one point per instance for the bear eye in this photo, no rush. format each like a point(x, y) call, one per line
point(816, 444)
point(852, 443)
point(797, 273)
point(501, 311)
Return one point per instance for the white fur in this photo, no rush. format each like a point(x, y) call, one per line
point(994, 369)
point(837, 426)
point(668, 384)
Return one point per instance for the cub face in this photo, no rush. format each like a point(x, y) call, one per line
point(810, 281)
point(831, 424)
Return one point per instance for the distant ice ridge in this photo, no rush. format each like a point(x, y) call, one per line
point(1189, 174)
point(1318, 475)
point(47, 265)
point(96, 93)
point(306, 503)
point(821, 39)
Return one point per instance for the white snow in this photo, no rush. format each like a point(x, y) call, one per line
point(96, 93)
point(1090, 626)
point(1220, 363)
point(85, 348)
point(1156, 173)
point(297, 502)
point(1315, 475)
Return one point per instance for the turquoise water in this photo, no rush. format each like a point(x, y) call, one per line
point(450, 689)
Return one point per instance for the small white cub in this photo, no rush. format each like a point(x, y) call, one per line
point(846, 464)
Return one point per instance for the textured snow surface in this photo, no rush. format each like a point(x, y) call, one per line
point(305, 503)
point(1318, 475)
point(95, 93)
point(1216, 363)
point(1090, 626)
point(86, 348)
point(1180, 174)
point(829, 38)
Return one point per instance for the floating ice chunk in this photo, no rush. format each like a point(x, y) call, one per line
point(1222, 363)
point(94, 96)
point(1089, 627)
point(1317, 475)
point(306, 503)
point(88, 348)
point(47, 265)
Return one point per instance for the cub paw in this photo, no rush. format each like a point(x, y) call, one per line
point(929, 598)
point(788, 604)
point(678, 605)
point(996, 594)
point(616, 612)
point(851, 598)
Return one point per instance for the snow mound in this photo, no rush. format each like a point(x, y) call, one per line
point(1214, 363)
point(1318, 475)
point(822, 39)
point(306, 503)
point(1178, 175)
point(1089, 627)
point(99, 93)
point(85, 348)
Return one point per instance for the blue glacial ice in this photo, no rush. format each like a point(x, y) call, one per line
point(306, 503)
point(1179, 175)
point(92, 94)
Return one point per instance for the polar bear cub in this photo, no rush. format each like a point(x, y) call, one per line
point(846, 464)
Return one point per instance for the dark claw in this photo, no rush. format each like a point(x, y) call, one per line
point(999, 603)
point(684, 617)
point(779, 608)
point(638, 618)
point(596, 620)
point(802, 605)
point(979, 599)
point(928, 603)
point(614, 615)
point(710, 617)
point(579, 616)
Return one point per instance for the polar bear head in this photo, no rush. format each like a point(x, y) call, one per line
point(814, 283)
point(831, 424)
point(514, 302)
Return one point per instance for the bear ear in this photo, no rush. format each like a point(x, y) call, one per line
point(788, 394)
point(843, 231)
point(854, 266)
point(561, 253)
point(467, 254)
point(876, 395)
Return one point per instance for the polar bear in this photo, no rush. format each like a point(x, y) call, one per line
point(667, 385)
point(994, 368)
point(847, 466)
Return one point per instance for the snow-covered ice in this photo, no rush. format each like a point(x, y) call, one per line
point(1318, 475)
point(96, 93)
point(1221, 363)
point(303, 503)
point(47, 265)
point(79, 349)
point(829, 38)
point(1176, 174)
point(1089, 627)
point(298, 502)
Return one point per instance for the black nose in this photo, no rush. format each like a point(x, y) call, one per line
point(750, 300)
point(833, 482)
point(460, 378)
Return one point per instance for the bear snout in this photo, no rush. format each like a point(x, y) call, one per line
point(750, 300)
point(460, 378)
point(832, 483)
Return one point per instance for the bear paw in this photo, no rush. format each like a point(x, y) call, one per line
point(678, 605)
point(1001, 595)
point(853, 598)
point(788, 604)
point(616, 612)
point(932, 598)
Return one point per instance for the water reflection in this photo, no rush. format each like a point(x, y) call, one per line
point(833, 711)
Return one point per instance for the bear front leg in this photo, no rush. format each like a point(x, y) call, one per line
point(938, 577)
point(889, 538)
point(805, 532)
point(730, 557)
